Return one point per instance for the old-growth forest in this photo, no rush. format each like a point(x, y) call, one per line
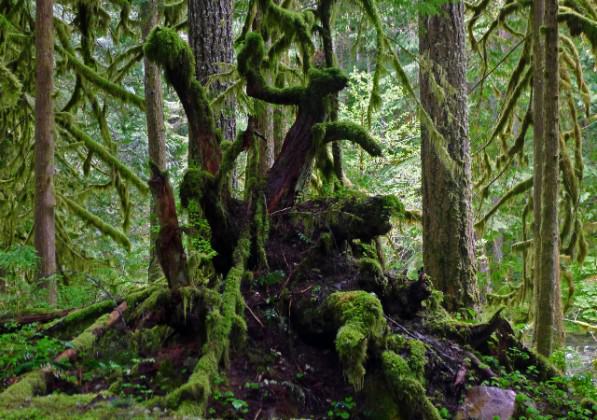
point(326, 209)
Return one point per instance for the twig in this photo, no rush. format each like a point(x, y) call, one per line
point(254, 316)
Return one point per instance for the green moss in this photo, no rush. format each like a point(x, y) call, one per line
point(80, 316)
point(165, 47)
point(191, 398)
point(345, 130)
point(406, 388)
point(250, 60)
point(90, 218)
point(362, 319)
point(31, 384)
point(10, 88)
point(85, 341)
point(194, 185)
point(158, 298)
point(106, 85)
point(150, 340)
point(415, 354)
point(81, 406)
point(78, 134)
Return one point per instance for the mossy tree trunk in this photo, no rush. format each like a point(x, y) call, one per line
point(210, 36)
point(156, 135)
point(548, 317)
point(448, 241)
point(45, 200)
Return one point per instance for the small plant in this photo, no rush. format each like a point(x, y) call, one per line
point(341, 409)
point(227, 405)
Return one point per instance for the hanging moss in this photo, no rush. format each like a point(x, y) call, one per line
point(101, 82)
point(96, 221)
point(361, 316)
point(72, 129)
point(10, 88)
point(514, 191)
point(406, 388)
point(579, 24)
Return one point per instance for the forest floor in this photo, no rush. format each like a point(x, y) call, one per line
point(282, 368)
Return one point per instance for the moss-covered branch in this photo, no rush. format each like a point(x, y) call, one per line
point(106, 85)
point(514, 191)
point(250, 60)
point(78, 134)
point(165, 47)
point(346, 130)
point(88, 217)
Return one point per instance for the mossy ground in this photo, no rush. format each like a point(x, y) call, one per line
point(281, 370)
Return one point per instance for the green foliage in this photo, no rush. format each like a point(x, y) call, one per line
point(342, 409)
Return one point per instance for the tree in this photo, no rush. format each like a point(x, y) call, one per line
point(210, 36)
point(45, 201)
point(448, 241)
point(154, 114)
point(548, 243)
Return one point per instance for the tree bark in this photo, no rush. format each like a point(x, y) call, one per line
point(210, 36)
point(448, 241)
point(547, 317)
point(45, 200)
point(156, 136)
point(538, 11)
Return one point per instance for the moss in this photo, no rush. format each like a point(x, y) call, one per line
point(250, 60)
point(371, 275)
point(81, 406)
point(158, 298)
point(346, 130)
point(165, 47)
point(31, 384)
point(80, 316)
point(362, 319)
point(106, 85)
point(406, 388)
point(10, 88)
point(416, 354)
point(191, 398)
point(79, 135)
point(150, 340)
point(194, 185)
point(90, 218)
point(85, 341)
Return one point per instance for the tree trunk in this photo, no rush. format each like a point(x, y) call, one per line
point(448, 241)
point(156, 140)
point(210, 36)
point(325, 11)
point(548, 317)
point(538, 10)
point(45, 201)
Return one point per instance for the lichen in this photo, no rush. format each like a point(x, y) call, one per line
point(360, 315)
point(407, 388)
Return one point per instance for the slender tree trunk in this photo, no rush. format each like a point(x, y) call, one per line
point(210, 36)
point(448, 241)
point(45, 201)
point(156, 136)
point(548, 317)
point(538, 10)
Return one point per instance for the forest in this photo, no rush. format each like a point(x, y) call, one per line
point(324, 209)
